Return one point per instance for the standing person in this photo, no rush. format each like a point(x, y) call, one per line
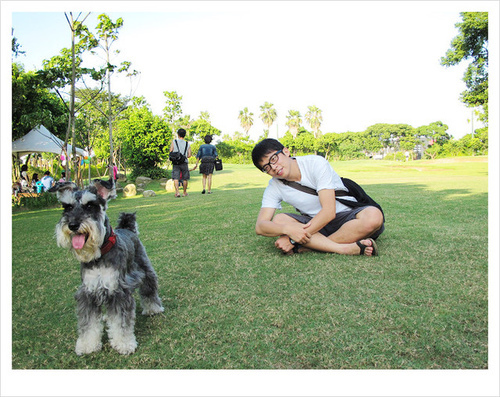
point(323, 224)
point(207, 153)
point(47, 181)
point(180, 173)
point(115, 173)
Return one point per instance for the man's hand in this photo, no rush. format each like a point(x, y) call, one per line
point(284, 244)
point(298, 232)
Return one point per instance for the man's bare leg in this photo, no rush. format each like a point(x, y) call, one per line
point(176, 186)
point(366, 223)
point(318, 242)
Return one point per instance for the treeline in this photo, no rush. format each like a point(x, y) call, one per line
point(379, 141)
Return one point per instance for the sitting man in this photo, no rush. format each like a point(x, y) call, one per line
point(323, 224)
point(47, 181)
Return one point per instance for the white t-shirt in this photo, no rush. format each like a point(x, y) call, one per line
point(316, 173)
point(47, 181)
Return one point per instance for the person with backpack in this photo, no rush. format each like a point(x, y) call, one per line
point(180, 152)
point(331, 216)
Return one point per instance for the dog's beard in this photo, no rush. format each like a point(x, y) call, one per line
point(86, 243)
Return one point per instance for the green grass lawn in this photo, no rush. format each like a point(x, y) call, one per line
point(232, 301)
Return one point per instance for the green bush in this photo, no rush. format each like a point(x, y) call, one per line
point(153, 173)
point(398, 156)
point(45, 200)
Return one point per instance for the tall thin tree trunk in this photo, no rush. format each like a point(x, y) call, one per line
point(71, 119)
point(110, 122)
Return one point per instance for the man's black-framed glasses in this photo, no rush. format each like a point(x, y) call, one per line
point(272, 160)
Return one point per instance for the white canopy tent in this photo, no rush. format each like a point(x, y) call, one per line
point(41, 140)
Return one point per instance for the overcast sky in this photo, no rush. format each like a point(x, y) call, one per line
point(361, 63)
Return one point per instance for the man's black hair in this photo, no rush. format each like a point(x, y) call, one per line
point(263, 148)
point(208, 138)
point(181, 132)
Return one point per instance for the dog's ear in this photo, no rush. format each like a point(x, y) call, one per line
point(105, 189)
point(61, 187)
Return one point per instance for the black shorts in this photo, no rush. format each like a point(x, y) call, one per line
point(181, 172)
point(340, 219)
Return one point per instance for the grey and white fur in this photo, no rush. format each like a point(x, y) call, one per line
point(108, 278)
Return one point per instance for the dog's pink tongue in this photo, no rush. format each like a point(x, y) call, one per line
point(78, 241)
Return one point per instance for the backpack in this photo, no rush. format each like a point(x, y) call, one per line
point(354, 190)
point(177, 158)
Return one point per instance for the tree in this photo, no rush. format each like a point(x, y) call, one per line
point(314, 119)
point(268, 115)
point(204, 115)
point(107, 32)
point(294, 121)
point(201, 128)
point(305, 142)
point(146, 140)
point(350, 146)
point(173, 110)
point(432, 151)
point(435, 131)
point(246, 119)
point(236, 149)
point(371, 144)
point(66, 69)
point(390, 134)
point(328, 144)
point(33, 104)
point(185, 122)
point(472, 43)
point(16, 47)
point(408, 143)
point(92, 120)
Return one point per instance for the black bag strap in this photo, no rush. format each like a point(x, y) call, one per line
point(185, 147)
point(367, 200)
point(306, 189)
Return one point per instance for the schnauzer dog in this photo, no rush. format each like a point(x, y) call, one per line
point(113, 265)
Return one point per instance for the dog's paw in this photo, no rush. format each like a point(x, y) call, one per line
point(151, 305)
point(152, 310)
point(86, 346)
point(124, 346)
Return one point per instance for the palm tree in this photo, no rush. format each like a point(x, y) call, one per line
point(293, 122)
point(246, 119)
point(268, 115)
point(314, 119)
